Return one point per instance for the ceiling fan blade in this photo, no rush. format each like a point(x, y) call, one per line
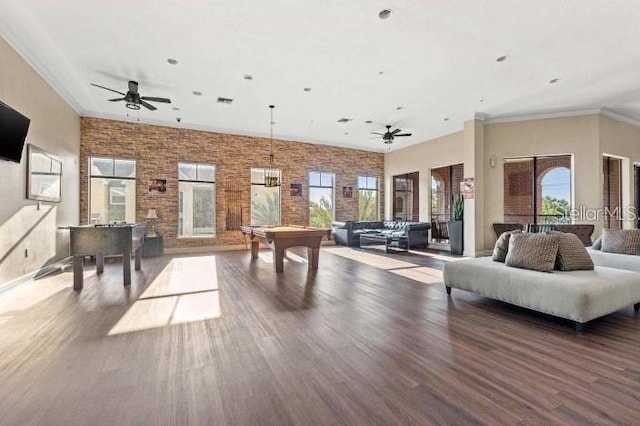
point(376, 133)
point(117, 99)
point(396, 131)
point(402, 134)
point(133, 86)
point(152, 99)
point(148, 106)
point(106, 88)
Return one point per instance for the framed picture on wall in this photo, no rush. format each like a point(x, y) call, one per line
point(347, 191)
point(296, 190)
point(158, 185)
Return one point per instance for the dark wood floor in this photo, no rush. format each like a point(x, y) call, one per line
point(367, 339)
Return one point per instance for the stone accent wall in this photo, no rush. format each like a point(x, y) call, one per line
point(157, 151)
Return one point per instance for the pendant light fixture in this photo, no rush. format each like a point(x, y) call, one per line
point(271, 174)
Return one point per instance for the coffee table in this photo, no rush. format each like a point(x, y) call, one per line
point(386, 242)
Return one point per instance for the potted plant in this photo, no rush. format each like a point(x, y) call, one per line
point(455, 225)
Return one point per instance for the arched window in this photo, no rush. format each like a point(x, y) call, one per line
point(555, 195)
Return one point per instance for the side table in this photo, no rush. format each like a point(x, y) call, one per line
point(153, 246)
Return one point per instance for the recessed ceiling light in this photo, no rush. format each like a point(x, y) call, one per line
point(248, 77)
point(501, 59)
point(555, 80)
point(175, 109)
point(380, 72)
point(226, 101)
point(346, 133)
point(307, 89)
point(368, 122)
point(481, 100)
point(399, 108)
point(172, 61)
point(197, 93)
point(447, 119)
point(384, 14)
point(344, 120)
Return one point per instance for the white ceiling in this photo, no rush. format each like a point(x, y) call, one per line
point(438, 59)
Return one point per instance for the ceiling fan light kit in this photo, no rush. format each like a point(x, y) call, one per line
point(133, 99)
point(390, 135)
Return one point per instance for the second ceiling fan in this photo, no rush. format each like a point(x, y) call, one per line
point(389, 135)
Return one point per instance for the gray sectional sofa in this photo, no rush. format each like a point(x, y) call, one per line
point(348, 233)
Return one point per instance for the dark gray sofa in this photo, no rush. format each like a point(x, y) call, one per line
point(348, 233)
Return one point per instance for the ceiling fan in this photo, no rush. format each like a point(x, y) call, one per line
point(133, 98)
point(390, 135)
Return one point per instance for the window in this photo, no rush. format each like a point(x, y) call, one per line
point(265, 201)
point(321, 199)
point(405, 197)
point(112, 190)
point(612, 192)
point(368, 198)
point(537, 189)
point(196, 200)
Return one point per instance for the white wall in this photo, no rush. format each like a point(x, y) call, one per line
point(54, 127)
point(578, 136)
point(622, 140)
point(421, 158)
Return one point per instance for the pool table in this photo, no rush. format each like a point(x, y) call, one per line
point(280, 238)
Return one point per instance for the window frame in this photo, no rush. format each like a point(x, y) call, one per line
point(320, 185)
point(263, 184)
point(181, 203)
point(111, 176)
point(375, 189)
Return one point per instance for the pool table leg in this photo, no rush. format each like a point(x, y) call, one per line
point(255, 246)
point(78, 272)
point(313, 254)
point(278, 259)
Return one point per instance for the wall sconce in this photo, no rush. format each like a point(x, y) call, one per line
point(493, 161)
point(152, 217)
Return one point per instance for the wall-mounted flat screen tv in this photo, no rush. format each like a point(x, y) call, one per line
point(13, 131)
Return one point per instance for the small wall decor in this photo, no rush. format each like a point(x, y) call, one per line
point(347, 191)
point(157, 185)
point(296, 190)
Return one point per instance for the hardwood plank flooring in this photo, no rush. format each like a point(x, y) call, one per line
point(368, 338)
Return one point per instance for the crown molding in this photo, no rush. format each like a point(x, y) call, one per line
point(31, 33)
point(619, 117)
point(541, 116)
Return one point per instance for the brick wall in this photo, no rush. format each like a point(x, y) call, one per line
point(157, 151)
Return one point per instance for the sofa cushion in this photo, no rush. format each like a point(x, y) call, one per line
point(623, 241)
point(597, 244)
point(533, 251)
point(502, 245)
point(572, 256)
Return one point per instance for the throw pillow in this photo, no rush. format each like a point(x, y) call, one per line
point(623, 241)
point(534, 251)
point(502, 246)
point(572, 256)
point(597, 244)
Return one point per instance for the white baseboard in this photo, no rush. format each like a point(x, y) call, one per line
point(46, 270)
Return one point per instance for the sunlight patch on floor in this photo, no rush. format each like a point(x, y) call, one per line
point(437, 256)
point(371, 259)
point(185, 291)
point(421, 274)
